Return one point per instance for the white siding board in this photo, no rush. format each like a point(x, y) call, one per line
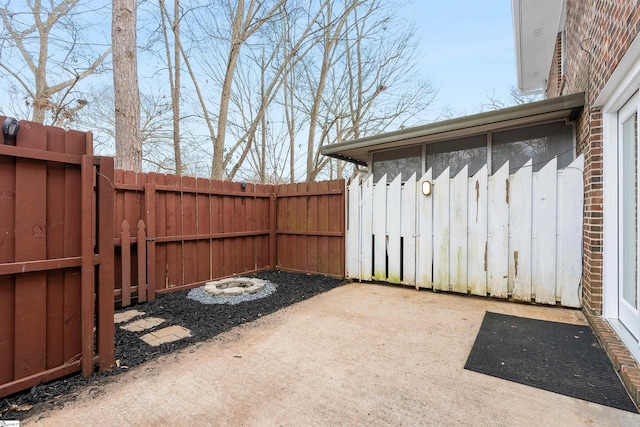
point(353, 230)
point(366, 241)
point(424, 255)
point(570, 230)
point(520, 188)
point(408, 231)
point(394, 209)
point(477, 229)
point(379, 215)
point(543, 278)
point(458, 231)
point(441, 232)
point(559, 214)
point(498, 233)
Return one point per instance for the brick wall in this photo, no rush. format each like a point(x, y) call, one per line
point(554, 87)
point(598, 33)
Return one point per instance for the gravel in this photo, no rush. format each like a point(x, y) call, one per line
point(203, 318)
point(198, 294)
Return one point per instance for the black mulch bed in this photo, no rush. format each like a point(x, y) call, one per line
point(204, 321)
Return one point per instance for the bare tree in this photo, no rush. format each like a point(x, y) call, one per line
point(334, 22)
point(256, 25)
point(125, 86)
point(366, 84)
point(338, 70)
point(286, 50)
point(514, 98)
point(42, 50)
point(263, 127)
point(156, 131)
point(288, 93)
point(245, 20)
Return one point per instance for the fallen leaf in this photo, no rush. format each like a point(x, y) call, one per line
point(19, 408)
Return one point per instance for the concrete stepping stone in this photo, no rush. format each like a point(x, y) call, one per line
point(142, 324)
point(165, 335)
point(126, 316)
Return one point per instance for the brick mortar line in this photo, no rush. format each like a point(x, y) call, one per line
point(624, 364)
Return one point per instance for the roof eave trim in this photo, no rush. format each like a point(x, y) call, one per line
point(346, 158)
point(517, 25)
point(526, 54)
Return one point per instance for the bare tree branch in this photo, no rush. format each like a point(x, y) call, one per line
point(37, 51)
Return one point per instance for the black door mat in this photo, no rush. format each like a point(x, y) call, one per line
point(557, 357)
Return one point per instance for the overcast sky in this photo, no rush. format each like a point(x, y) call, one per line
point(467, 51)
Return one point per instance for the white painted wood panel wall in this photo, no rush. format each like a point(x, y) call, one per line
point(507, 236)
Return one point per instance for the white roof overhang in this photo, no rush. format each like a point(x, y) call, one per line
point(536, 24)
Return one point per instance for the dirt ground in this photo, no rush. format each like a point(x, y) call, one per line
point(359, 354)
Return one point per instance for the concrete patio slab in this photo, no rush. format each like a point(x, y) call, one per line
point(360, 354)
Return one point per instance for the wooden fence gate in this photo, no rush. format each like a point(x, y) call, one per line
point(56, 307)
point(507, 236)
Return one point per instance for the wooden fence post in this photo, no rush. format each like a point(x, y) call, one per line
point(87, 271)
point(150, 221)
point(142, 262)
point(343, 228)
point(125, 251)
point(105, 213)
point(272, 231)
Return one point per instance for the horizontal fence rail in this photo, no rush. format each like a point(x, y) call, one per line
point(507, 236)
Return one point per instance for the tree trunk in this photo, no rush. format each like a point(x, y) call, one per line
point(125, 86)
point(217, 164)
point(175, 93)
point(289, 113)
point(263, 120)
point(173, 70)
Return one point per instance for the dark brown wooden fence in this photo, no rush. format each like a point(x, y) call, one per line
point(49, 254)
point(75, 233)
point(310, 227)
point(198, 230)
